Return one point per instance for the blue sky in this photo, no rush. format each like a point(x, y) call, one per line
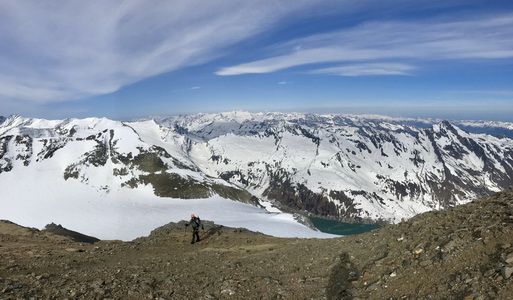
point(129, 59)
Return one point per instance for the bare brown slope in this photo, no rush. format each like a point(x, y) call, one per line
point(465, 252)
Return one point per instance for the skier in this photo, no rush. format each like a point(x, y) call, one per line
point(196, 223)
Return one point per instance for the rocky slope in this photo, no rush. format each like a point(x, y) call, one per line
point(460, 253)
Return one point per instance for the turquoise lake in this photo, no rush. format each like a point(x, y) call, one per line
point(340, 228)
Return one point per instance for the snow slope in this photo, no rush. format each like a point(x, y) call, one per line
point(35, 192)
point(364, 166)
point(126, 214)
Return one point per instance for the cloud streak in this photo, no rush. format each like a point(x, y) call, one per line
point(63, 50)
point(367, 69)
point(383, 46)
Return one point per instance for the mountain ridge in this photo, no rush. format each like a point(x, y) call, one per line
point(341, 167)
point(353, 130)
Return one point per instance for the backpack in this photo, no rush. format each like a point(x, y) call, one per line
point(196, 222)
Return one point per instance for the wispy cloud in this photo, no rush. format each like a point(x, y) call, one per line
point(367, 69)
point(63, 50)
point(483, 37)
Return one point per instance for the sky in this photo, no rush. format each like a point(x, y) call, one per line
point(135, 59)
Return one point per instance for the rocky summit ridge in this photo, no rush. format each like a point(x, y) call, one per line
point(464, 252)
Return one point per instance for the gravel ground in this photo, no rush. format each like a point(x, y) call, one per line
point(461, 253)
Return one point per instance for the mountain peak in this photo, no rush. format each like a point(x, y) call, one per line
point(13, 118)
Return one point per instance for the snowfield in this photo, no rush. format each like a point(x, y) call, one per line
point(36, 194)
point(126, 214)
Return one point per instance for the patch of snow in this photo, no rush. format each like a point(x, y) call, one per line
point(125, 214)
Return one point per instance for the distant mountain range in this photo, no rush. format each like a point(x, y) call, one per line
point(346, 167)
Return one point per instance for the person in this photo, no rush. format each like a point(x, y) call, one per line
point(195, 222)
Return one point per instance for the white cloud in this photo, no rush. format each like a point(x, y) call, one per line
point(486, 37)
point(53, 51)
point(64, 50)
point(367, 69)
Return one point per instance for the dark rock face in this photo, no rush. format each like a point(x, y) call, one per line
point(464, 252)
point(301, 198)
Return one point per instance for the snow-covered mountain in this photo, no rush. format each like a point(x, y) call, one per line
point(115, 180)
point(347, 167)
